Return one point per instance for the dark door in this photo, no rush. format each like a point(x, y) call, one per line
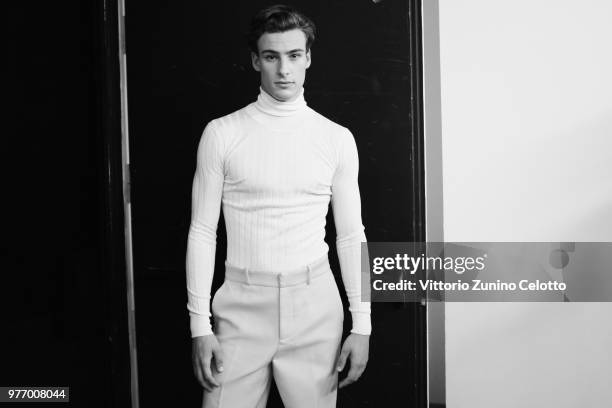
point(187, 64)
point(62, 291)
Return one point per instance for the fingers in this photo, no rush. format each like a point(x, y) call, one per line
point(358, 362)
point(197, 371)
point(218, 357)
point(203, 351)
point(342, 359)
point(354, 373)
point(209, 380)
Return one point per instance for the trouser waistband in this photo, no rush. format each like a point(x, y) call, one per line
point(278, 279)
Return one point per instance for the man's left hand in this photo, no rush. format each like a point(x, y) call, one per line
point(356, 347)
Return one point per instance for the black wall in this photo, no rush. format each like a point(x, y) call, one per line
point(63, 285)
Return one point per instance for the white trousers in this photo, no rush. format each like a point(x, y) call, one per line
point(287, 326)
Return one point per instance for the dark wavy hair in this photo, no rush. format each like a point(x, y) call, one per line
point(277, 19)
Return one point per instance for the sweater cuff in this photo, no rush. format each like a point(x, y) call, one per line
point(361, 323)
point(199, 325)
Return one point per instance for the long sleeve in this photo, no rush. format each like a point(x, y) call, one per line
point(202, 239)
point(346, 206)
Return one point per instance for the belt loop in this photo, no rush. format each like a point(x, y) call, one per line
point(309, 272)
point(248, 277)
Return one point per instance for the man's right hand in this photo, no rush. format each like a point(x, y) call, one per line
point(204, 349)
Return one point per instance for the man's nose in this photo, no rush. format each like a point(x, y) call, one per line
point(283, 67)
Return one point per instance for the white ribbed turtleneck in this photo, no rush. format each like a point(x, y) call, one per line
point(276, 115)
point(273, 107)
point(274, 167)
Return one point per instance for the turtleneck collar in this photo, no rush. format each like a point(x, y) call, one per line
point(267, 104)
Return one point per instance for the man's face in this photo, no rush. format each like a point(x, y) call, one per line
point(282, 62)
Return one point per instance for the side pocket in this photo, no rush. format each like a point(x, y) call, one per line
point(336, 295)
point(216, 297)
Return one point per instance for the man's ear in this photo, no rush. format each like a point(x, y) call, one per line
point(308, 58)
point(255, 61)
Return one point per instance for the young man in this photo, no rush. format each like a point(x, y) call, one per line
point(274, 166)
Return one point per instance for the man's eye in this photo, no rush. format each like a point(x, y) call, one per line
point(294, 56)
point(270, 57)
